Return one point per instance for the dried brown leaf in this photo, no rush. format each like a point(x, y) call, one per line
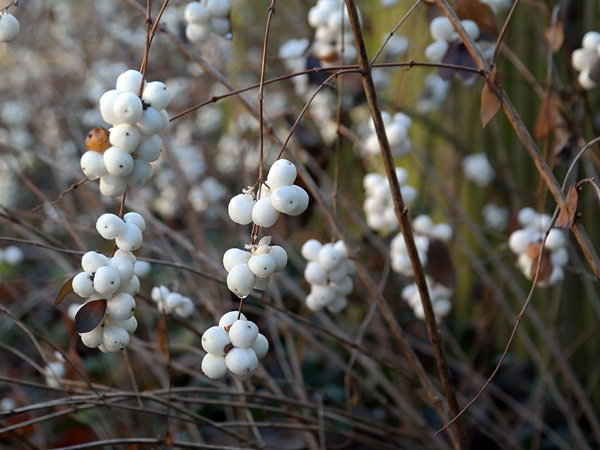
point(90, 315)
point(479, 13)
point(546, 121)
point(566, 218)
point(555, 39)
point(545, 263)
point(490, 105)
point(439, 263)
point(65, 290)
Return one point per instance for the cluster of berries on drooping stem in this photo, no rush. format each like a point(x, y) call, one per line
point(172, 302)
point(329, 273)
point(379, 204)
point(446, 38)
point(477, 168)
point(587, 57)
point(9, 27)
point(527, 244)
point(333, 35)
point(431, 241)
point(123, 157)
point(204, 17)
point(112, 280)
point(252, 268)
point(396, 129)
point(234, 346)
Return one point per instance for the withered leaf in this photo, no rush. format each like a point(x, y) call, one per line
point(546, 121)
point(490, 104)
point(479, 13)
point(545, 263)
point(439, 263)
point(65, 290)
point(566, 218)
point(90, 315)
point(555, 39)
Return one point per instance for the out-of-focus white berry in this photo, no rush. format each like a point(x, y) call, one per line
point(9, 27)
point(92, 165)
point(241, 361)
point(555, 240)
point(343, 287)
point(185, 308)
point(520, 240)
point(422, 224)
point(582, 59)
point(214, 367)
point(219, 8)
point(131, 239)
point(441, 29)
point(220, 26)
point(114, 338)
point(559, 257)
point(310, 249)
point(241, 280)
point(197, 32)
point(243, 333)
point(228, 318)
point(323, 295)
point(495, 217)
point(196, 12)
point(264, 214)
point(436, 51)
point(214, 341)
point(585, 81)
point(527, 216)
point(591, 40)
point(338, 305)
point(442, 231)
point(478, 169)
point(13, 255)
point(260, 346)
point(329, 257)
point(471, 28)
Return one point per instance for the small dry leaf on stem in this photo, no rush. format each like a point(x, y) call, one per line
point(556, 38)
point(65, 290)
point(545, 263)
point(547, 119)
point(479, 13)
point(90, 315)
point(490, 97)
point(567, 215)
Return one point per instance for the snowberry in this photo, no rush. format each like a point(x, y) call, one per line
point(219, 8)
point(92, 339)
point(150, 122)
point(241, 280)
point(196, 12)
point(149, 148)
point(214, 367)
point(338, 305)
point(215, 339)
point(264, 214)
point(323, 295)
point(197, 32)
point(92, 165)
point(131, 239)
point(109, 226)
point(315, 274)
point(136, 219)
point(329, 257)
point(343, 287)
point(159, 293)
point(107, 106)
point(112, 185)
point(130, 325)
point(279, 255)
point(123, 265)
point(243, 333)
point(130, 287)
point(130, 81)
point(228, 318)
point(142, 172)
point(127, 107)
point(185, 308)
point(9, 27)
point(442, 231)
point(310, 250)
point(241, 361)
point(436, 51)
point(92, 261)
point(262, 266)
point(262, 283)
point(120, 306)
point(520, 240)
point(260, 346)
point(157, 95)
point(234, 257)
point(471, 28)
point(422, 224)
point(591, 40)
point(282, 173)
point(106, 280)
point(125, 136)
point(114, 338)
point(83, 284)
point(118, 162)
point(240, 208)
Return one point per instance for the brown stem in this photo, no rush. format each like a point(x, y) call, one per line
point(435, 337)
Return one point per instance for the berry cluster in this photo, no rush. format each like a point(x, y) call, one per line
point(328, 272)
point(9, 27)
point(55, 371)
point(445, 36)
point(172, 302)
point(438, 294)
point(235, 345)
point(424, 230)
point(112, 279)
point(293, 55)
point(586, 57)
point(333, 35)
point(527, 244)
point(277, 195)
point(396, 129)
point(434, 93)
point(205, 16)
point(133, 141)
point(252, 269)
point(478, 169)
point(379, 206)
